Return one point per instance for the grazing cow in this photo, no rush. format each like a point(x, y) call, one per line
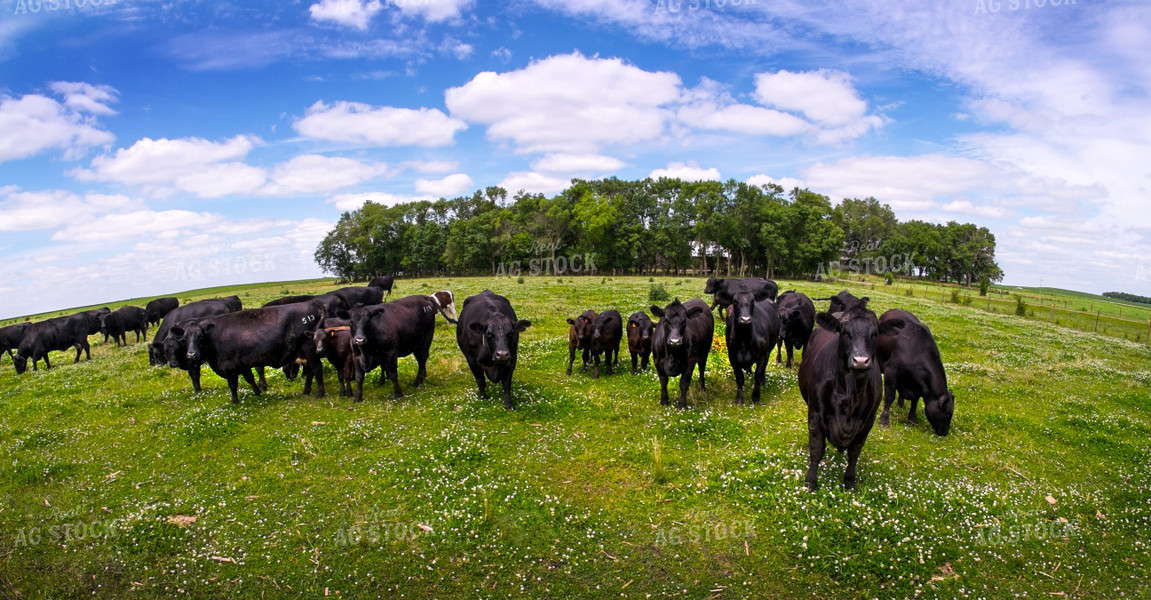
point(359, 296)
point(158, 355)
point(289, 300)
point(639, 328)
point(10, 337)
point(606, 334)
point(682, 340)
point(122, 320)
point(725, 289)
point(840, 302)
point(234, 343)
point(160, 307)
point(383, 333)
point(333, 340)
point(488, 335)
point(579, 338)
point(232, 302)
point(796, 320)
point(92, 318)
point(59, 333)
point(839, 379)
point(912, 369)
point(752, 333)
point(383, 282)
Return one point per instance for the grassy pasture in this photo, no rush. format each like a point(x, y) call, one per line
point(116, 481)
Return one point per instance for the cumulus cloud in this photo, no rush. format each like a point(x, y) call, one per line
point(577, 163)
point(356, 201)
point(537, 108)
point(449, 186)
point(533, 183)
point(34, 123)
point(363, 124)
point(688, 171)
point(160, 167)
point(433, 10)
point(349, 13)
point(47, 209)
point(787, 183)
point(313, 173)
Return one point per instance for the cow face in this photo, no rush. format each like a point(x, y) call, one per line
point(174, 348)
point(104, 323)
point(597, 327)
point(858, 330)
point(499, 335)
point(360, 321)
point(21, 363)
point(194, 334)
point(674, 320)
point(712, 286)
point(582, 327)
point(744, 306)
point(447, 302)
point(939, 413)
point(640, 326)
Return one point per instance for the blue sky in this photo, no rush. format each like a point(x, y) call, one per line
point(152, 147)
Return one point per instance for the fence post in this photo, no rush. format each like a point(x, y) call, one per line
point(1149, 332)
point(1096, 322)
point(1052, 312)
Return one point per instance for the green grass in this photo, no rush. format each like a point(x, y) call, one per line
point(444, 495)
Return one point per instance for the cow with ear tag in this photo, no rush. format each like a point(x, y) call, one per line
point(639, 330)
point(488, 334)
point(681, 341)
point(840, 381)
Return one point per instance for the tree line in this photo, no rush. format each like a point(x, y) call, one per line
point(1128, 297)
point(652, 226)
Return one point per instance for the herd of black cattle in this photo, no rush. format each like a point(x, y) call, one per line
point(850, 359)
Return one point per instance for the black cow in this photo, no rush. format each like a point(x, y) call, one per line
point(796, 320)
point(359, 296)
point(160, 307)
point(682, 340)
point(579, 338)
point(488, 335)
point(289, 300)
point(59, 333)
point(383, 282)
point(724, 290)
point(10, 337)
point(92, 318)
point(333, 340)
point(119, 322)
point(232, 302)
point(383, 333)
point(752, 333)
point(840, 381)
point(606, 334)
point(840, 302)
point(913, 369)
point(234, 343)
point(639, 329)
point(157, 354)
point(330, 301)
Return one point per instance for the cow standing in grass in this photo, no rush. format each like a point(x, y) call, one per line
point(639, 330)
point(752, 333)
point(913, 369)
point(840, 381)
point(119, 322)
point(59, 333)
point(681, 341)
point(724, 290)
point(159, 308)
point(384, 283)
point(579, 338)
point(10, 337)
point(333, 340)
point(796, 320)
point(606, 334)
point(488, 335)
point(384, 333)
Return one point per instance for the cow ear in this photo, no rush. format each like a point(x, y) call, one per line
point(863, 302)
point(571, 321)
point(657, 311)
point(890, 326)
point(828, 322)
point(695, 311)
point(762, 295)
point(478, 327)
point(177, 331)
point(522, 325)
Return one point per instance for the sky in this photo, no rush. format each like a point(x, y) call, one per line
point(151, 147)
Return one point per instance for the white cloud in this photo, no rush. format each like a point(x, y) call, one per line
point(430, 166)
point(313, 173)
point(577, 163)
point(363, 124)
point(787, 183)
point(539, 109)
point(33, 123)
point(827, 98)
point(48, 209)
point(447, 187)
point(533, 183)
point(132, 225)
point(356, 201)
point(349, 13)
point(433, 10)
point(205, 168)
point(687, 172)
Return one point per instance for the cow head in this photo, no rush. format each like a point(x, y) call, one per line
point(641, 325)
point(327, 332)
point(360, 323)
point(844, 301)
point(858, 330)
point(743, 306)
point(581, 327)
point(499, 336)
point(712, 286)
point(673, 318)
point(20, 362)
point(597, 327)
point(939, 412)
point(447, 302)
point(103, 317)
point(191, 335)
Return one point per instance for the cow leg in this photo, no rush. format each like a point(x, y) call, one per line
point(586, 361)
point(263, 382)
point(816, 445)
point(760, 376)
point(87, 350)
point(595, 356)
point(738, 371)
point(634, 357)
point(316, 369)
point(48, 365)
point(888, 398)
point(79, 351)
point(684, 383)
point(779, 353)
point(662, 388)
point(571, 358)
point(508, 391)
point(914, 405)
point(248, 377)
point(393, 373)
point(194, 374)
point(359, 395)
point(422, 361)
point(789, 351)
point(645, 361)
point(233, 384)
point(612, 357)
point(481, 380)
point(702, 367)
point(852, 459)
